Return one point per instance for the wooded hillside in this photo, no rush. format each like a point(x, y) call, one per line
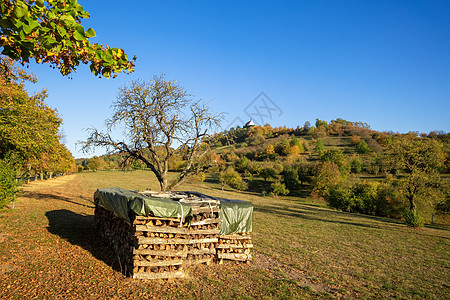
point(351, 166)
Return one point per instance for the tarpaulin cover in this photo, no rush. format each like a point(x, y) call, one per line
point(236, 216)
point(121, 202)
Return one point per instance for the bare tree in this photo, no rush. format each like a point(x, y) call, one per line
point(155, 116)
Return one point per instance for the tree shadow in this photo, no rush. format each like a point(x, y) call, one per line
point(46, 196)
point(79, 230)
point(313, 213)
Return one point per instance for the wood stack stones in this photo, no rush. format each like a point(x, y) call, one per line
point(156, 248)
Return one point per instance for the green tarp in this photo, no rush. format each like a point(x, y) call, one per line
point(121, 202)
point(236, 216)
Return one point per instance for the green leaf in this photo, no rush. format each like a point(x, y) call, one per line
point(51, 15)
point(80, 29)
point(20, 10)
point(27, 29)
point(40, 3)
point(89, 33)
point(68, 20)
point(33, 24)
point(61, 30)
point(78, 36)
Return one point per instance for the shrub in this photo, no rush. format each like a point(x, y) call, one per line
point(8, 188)
point(240, 185)
point(412, 218)
point(255, 139)
point(341, 198)
point(326, 176)
point(290, 178)
point(299, 143)
point(355, 139)
point(362, 147)
point(279, 188)
point(319, 148)
point(337, 157)
point(268, 172)
point(305, 171)
point(370, 198)
point(231, 177)
point(356, 165)
point(320, 132)
point(242, 164)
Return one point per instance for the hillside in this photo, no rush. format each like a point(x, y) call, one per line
point(344, 164)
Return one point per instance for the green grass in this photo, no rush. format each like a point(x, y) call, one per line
point(55, 253)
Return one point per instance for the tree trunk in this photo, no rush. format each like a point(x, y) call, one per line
point(163, 184)
point(412, 204)
point(28, 174)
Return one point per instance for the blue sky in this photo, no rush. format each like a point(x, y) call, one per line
point(386, 63)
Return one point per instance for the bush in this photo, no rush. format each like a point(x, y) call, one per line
point(362, 147)
point(231, 177)
point(337, 157)
point(242, 164)
point(240, 185)
point(268, 172)
point(290, 178)
point(412, 218)
point(255, 139)
point(326, 176)
point(355, 139)
point(357, 165)
point(8, 188)
point(279, 188)
point(319, 148)
point(370, 198)
point(340, 198)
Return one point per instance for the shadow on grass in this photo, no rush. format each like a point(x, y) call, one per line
point(79, 230)
point(44, 196)
point(316, 214)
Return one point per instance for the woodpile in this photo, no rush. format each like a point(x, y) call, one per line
point(161, 247)
point(158, 248)
point(117, 234)
point(236, 247)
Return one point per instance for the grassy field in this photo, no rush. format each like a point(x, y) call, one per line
point(48, 249)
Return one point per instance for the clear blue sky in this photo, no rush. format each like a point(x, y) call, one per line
point(386, 63)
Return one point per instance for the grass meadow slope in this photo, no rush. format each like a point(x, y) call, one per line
point(49, 250)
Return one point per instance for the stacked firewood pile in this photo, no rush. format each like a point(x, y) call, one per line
point(235, 247)
point(117, 234)
point(161, 246)
point(156, 248)
point(176, 242)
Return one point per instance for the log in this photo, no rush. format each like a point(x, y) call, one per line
point(226, 246)
point(157, 263)
point(206, 222)
point(160, 252)
point(174, 230)
point(163, 275)
point(234, 256)
point(142, 240)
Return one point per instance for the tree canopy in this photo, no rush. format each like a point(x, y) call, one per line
point(51, 32)
point(156, 116)
point(29, 131)
point(420, 159)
